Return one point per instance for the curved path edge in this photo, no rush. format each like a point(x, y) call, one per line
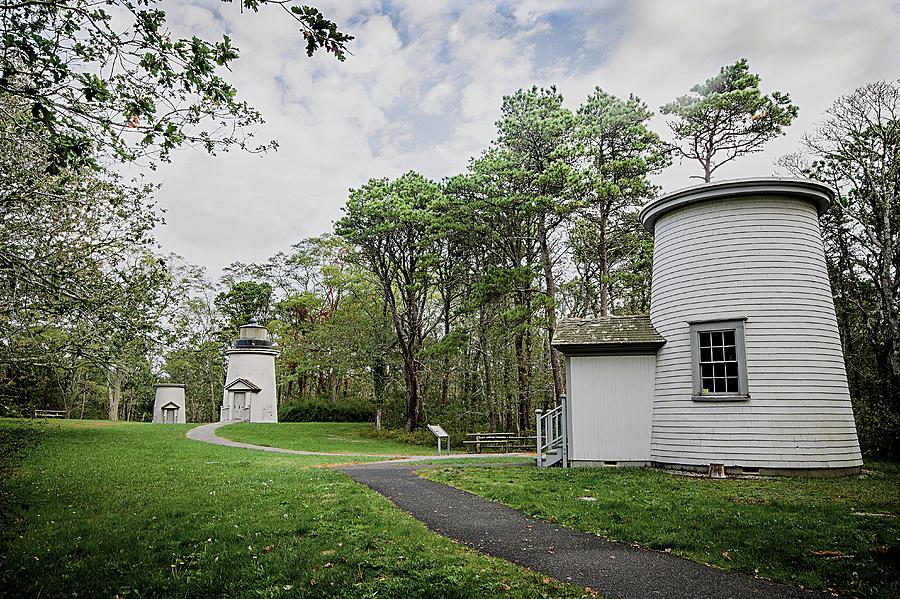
point(207, 434)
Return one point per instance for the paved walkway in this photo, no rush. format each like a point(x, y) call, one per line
point(615, 569)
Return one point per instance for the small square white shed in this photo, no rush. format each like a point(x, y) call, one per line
point(168, 405)
point(610, 368)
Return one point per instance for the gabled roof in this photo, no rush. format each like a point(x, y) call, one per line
point(242, 384)
point(607, 334)
point(171, 406)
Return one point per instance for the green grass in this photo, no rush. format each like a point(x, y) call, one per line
point(771, 527)
point(100, 509)
point(337, 437)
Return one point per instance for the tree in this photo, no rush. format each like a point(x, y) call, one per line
point(192, 346)
point(391, 224)
point(108, 77)
point(244, 301)
point(857, 151)
point(536, 129)
point(74, 254)
point(727, 116)
point(619, 152)
point(497, 218)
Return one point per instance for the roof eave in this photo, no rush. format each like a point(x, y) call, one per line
point(597, 349)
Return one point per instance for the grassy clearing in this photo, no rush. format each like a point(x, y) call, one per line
point(800, 531)
point(337, 437)
point(101, 509)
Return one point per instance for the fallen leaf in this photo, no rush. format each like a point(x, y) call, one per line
point(268, 548)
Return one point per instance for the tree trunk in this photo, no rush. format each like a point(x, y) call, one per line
point(486, 364)
point(129, 404)
point(509, 398)
point(604, 268)
point(115, 396)
point(214, 402)
point(335, 385)
point(550, 282)
point(445, 379)
point(413, 400)
point(522, 379)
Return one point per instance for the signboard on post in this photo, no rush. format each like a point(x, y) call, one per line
point(440, 433)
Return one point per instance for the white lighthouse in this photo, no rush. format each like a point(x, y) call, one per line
point(250, 383)
point(739, 364)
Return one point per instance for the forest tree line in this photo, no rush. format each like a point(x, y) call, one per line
point(433, 300)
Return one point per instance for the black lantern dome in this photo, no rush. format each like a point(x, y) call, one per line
point(253, 334)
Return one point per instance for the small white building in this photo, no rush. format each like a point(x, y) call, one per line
point(739, 362)
point(250, 393)
point(168, 403)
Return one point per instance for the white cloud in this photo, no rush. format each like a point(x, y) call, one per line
point(424, 86)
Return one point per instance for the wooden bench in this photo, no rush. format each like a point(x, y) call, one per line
point(498, 443)
point(49, 413)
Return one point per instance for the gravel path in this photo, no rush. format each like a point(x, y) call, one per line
point(616, 570)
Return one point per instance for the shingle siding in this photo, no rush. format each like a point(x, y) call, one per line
point(759, 258)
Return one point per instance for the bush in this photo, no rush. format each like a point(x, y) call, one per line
point(422, 437)
point(320, 410)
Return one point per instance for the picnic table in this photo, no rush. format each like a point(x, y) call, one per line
point(498, 443)
point(49, 413)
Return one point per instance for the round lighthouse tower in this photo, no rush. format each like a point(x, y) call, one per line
point(752, 373)
point(250, 383)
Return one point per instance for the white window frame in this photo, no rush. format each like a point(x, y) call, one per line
point(736, 325)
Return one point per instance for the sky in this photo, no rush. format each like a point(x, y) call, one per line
point(424, 86)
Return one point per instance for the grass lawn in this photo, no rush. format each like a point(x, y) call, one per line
point(337, 437)
point(99, 509)
point(838, 533)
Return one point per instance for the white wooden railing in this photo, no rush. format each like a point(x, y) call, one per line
point(552, 446)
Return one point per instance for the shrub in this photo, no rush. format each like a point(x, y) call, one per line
point(320, 410)
point(422, 437)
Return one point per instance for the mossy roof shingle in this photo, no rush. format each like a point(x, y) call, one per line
point(606, 333)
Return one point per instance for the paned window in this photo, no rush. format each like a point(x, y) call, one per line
point(718, 360)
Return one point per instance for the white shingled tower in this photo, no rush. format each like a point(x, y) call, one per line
point(748, 370)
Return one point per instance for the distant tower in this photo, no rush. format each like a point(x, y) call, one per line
point(250, 384)
point(168, 406)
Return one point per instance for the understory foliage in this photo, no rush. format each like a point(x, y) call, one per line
point(319, 410)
